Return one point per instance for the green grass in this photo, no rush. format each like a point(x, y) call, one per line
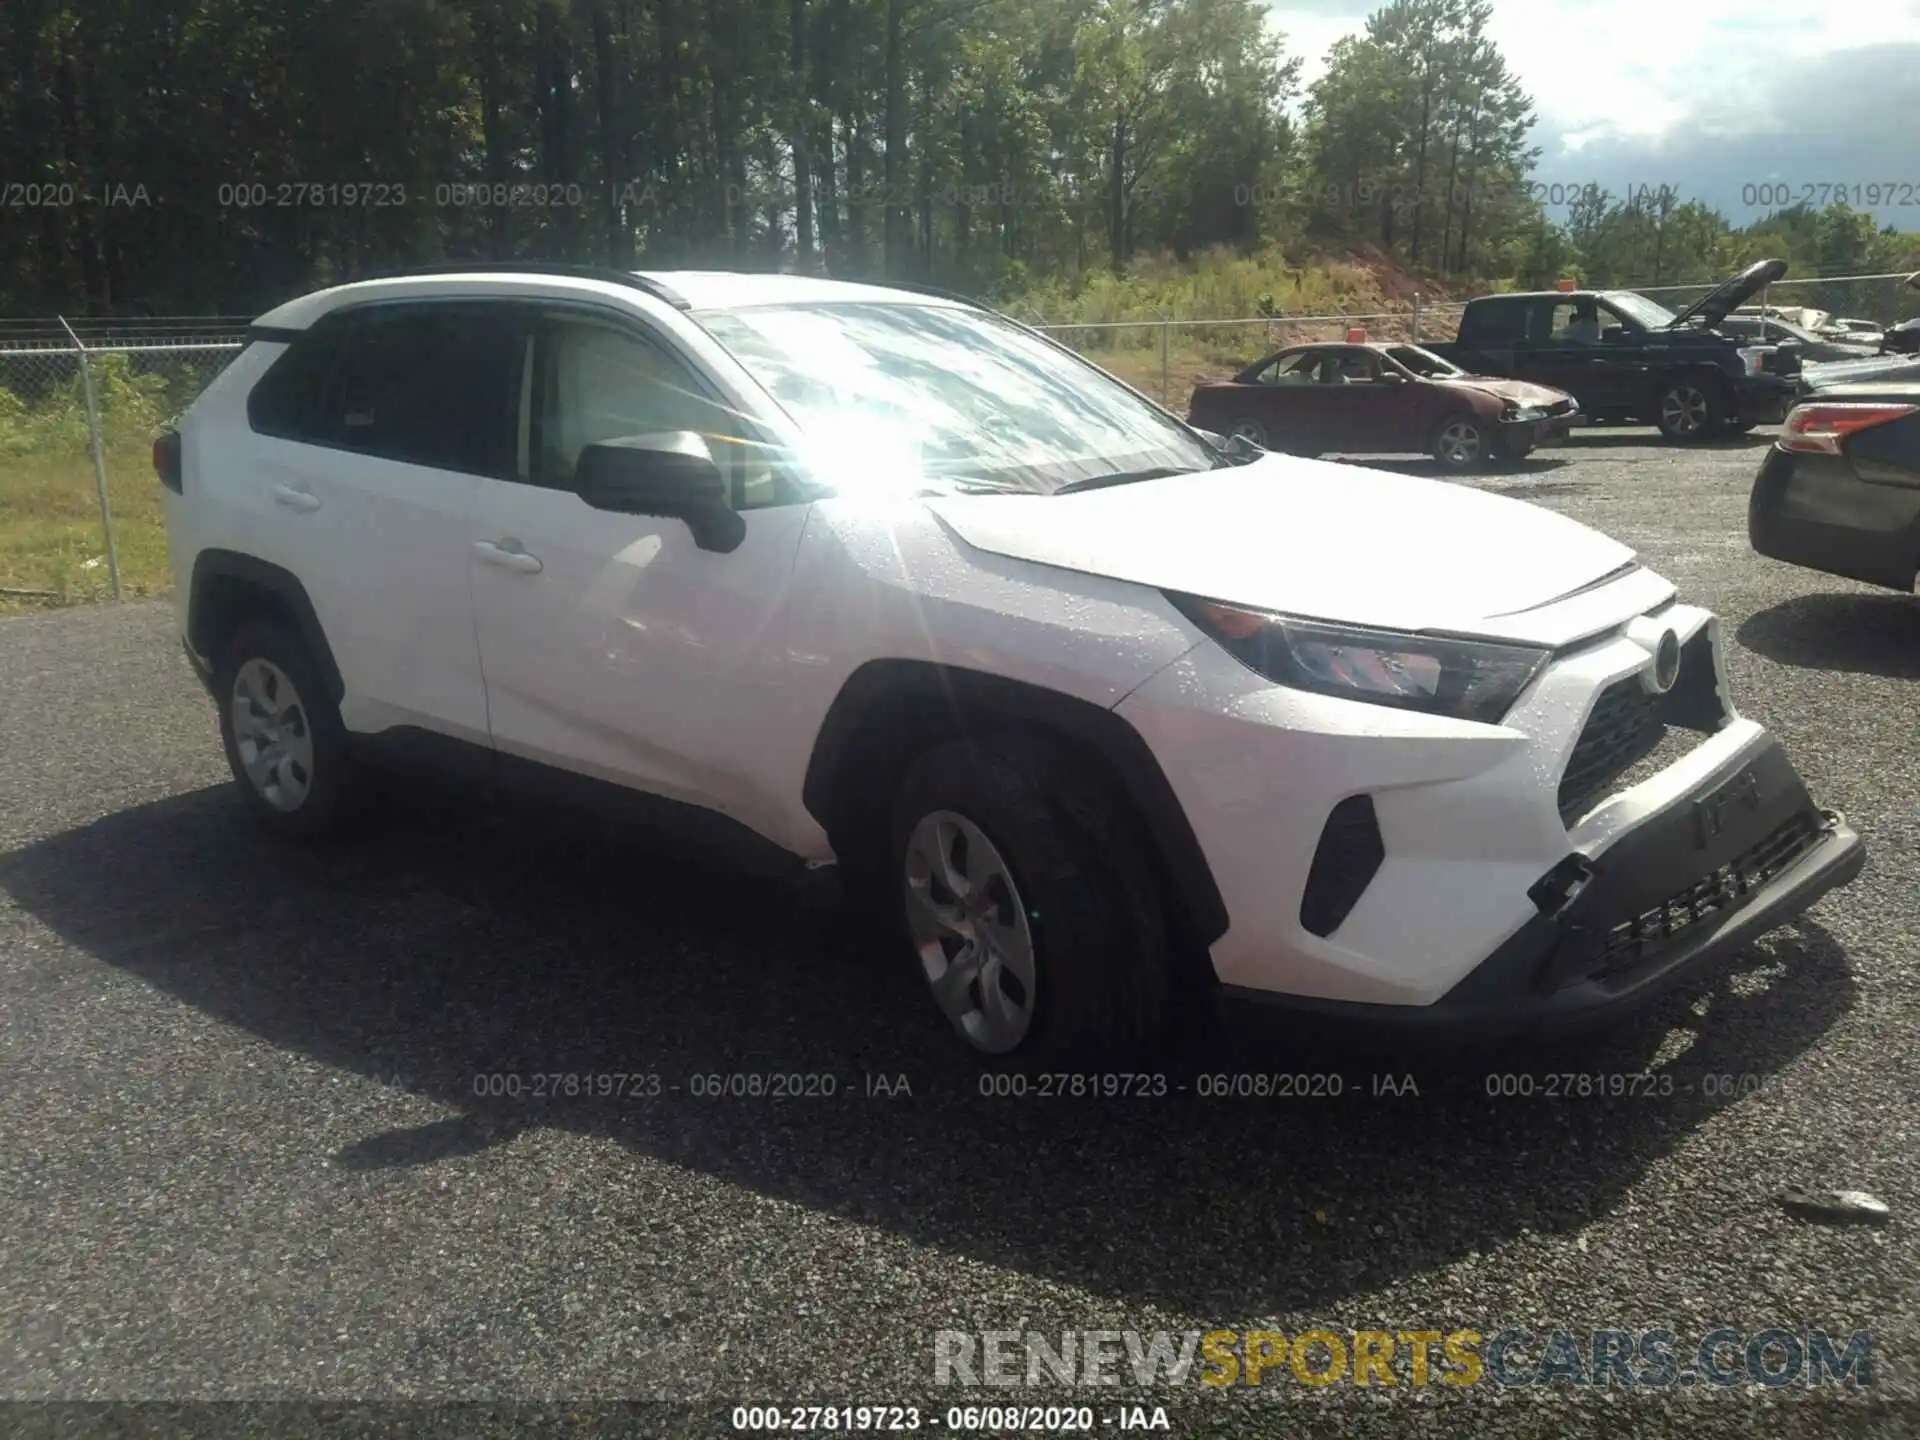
point(52, 547)
point(50, 534)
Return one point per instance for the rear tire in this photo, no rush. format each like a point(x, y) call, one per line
point(1689, 410)
point(283, 736)
point(1008, 857)
point(1252, 430)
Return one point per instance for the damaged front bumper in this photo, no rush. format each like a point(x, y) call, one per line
point(1739, 854)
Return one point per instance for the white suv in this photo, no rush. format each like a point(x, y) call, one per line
point(873, 578)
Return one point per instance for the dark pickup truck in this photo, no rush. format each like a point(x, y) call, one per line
point(1624, 357)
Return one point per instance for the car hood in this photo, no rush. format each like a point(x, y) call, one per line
point(1713, 307)
point(1519, 391)
point(1309, 538)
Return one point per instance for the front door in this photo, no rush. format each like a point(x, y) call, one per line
point(614, 647)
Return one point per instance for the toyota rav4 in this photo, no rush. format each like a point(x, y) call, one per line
point(878, 583)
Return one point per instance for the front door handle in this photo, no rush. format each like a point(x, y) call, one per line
point(301, 500)
point(508, 555)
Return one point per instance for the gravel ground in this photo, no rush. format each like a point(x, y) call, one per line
point(244, 1158)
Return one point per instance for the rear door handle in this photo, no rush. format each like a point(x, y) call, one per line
point(508, 555)
point(293, 499)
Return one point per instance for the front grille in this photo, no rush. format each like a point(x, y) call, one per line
point(1348, 857)
point(1630, 941)
point(1625, 726)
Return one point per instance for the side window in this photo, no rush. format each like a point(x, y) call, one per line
point(1350, 367)
point(430, 384)
point(599, 382)
point(1574, 322)
point(1495, 323)
point(1296, 369)
point(286, 401)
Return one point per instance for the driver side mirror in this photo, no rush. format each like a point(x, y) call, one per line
point(1392, 377)
point(672, 475)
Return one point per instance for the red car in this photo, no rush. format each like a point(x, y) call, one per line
point(1382, 399)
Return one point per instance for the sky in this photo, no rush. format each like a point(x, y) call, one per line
point(1748, 105)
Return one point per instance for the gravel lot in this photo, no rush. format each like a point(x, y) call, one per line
point(244, 1158)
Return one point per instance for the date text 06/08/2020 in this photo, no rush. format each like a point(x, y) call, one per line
point(955, 1419)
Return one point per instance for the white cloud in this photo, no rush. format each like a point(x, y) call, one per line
point(1646, 82)
point(1611, 68)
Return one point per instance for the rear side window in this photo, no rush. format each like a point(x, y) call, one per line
point(1493, 322)
point(429, 384)
point(286, 402)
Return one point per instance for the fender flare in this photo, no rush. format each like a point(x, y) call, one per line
point(212, 567)
point(972, 701)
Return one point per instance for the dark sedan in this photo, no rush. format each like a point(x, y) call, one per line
point(1840, 490)
point(1379, 399)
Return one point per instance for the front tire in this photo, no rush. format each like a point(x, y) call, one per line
point(1461, 443)
point(1688, 410)
point(1028, 905)
point(283, 736)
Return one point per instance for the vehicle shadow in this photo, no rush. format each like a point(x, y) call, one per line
point(1620, 439)
point(451, 947)
point(1863, 634)
point(1532, 465)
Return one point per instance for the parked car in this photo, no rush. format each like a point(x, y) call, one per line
point(1378, 399)
point(1804, 316)
point(1807, 346)
point(1625, 357)
point(1854, 332)
point(1839, 492)
point(1887, 366)
point(875, 580)
point(1903, 338)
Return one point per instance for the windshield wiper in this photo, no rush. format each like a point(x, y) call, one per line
point(1123, 477)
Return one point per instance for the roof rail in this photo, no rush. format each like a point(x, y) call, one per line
point(607, 273)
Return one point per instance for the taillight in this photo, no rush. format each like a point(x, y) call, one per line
point(166, 461)
point(1821, 429)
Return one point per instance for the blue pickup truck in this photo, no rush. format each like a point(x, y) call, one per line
point(1626, 358)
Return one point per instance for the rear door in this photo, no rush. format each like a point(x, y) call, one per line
point(1282, 400)
point(1493, 334)
point(373, 442)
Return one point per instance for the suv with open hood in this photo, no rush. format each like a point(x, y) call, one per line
point(1625, 357)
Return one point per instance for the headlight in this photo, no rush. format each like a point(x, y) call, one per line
point(1527, 414)
point(1464, 679)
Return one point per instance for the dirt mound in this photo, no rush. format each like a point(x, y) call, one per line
point(1397, 286)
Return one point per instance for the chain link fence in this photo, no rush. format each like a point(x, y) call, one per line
point(1167, 358)
point(80, 405)
point(80, 507)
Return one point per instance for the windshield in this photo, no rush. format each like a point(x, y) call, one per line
point(1423, 362)
point(917, 396)
point(1651, 314)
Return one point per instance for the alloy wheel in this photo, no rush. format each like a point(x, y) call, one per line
point(271, 734)
point(970, 931)
point(1459, 443)
point(1250, 430)
point(1683, 411)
